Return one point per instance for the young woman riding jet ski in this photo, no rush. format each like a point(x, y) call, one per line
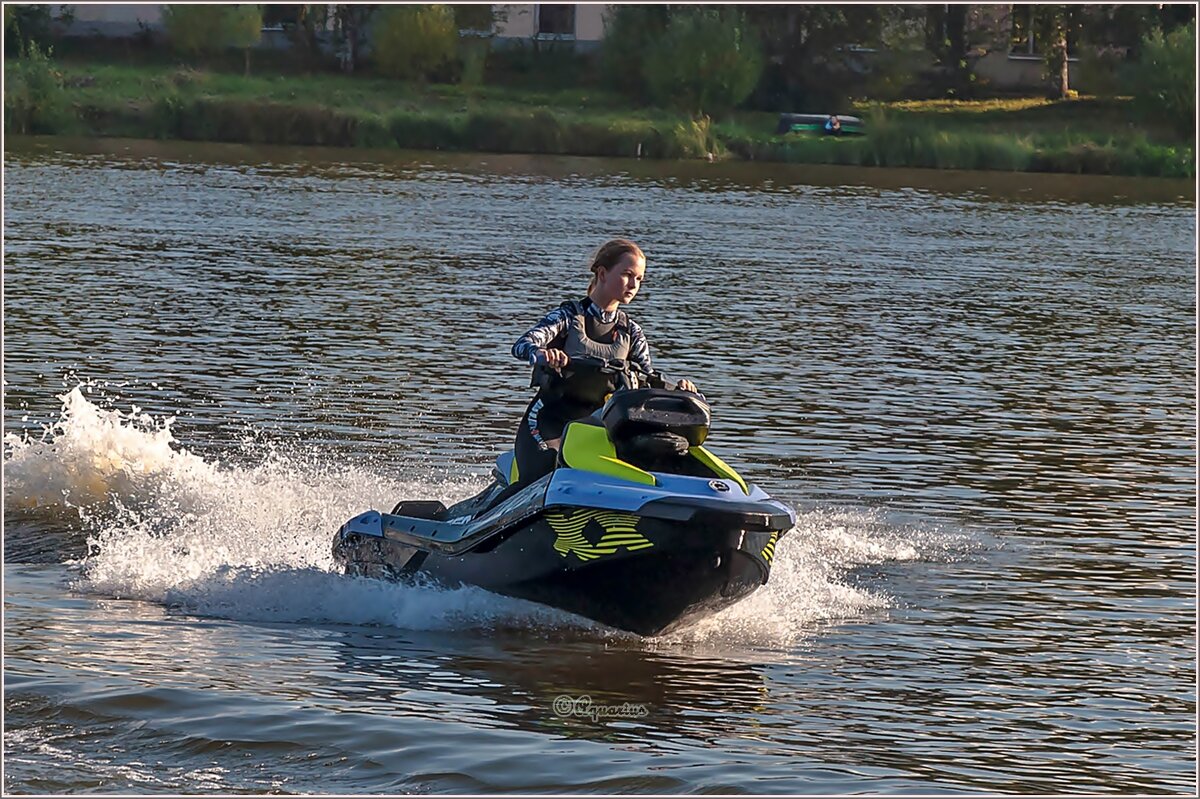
point(593, 327)
point(611, 507)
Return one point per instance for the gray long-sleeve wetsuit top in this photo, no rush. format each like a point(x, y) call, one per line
point(551, 333)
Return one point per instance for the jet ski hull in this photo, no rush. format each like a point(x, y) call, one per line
point(639, 558)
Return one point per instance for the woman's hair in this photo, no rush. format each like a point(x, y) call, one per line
point(610, 254)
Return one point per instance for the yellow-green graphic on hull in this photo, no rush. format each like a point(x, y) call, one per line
point(620, 532)
point(768, 551)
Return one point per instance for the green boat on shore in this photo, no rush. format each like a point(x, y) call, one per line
point(816, 123)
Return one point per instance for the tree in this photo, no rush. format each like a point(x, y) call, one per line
point(25, 24)
point(1052, 26)
point(204, 30)
point(631, 33)
point(309, 19)
point(414, 41)
point(808, 48)
point(946, 41)
point(351, 21)
point(1063, 28)
point(1163, 80)
point(244, 29)
point(707, 61)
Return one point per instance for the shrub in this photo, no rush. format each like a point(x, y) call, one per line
point(707, 61)
point(34, 98)
point(413, 42)
point(1163, 81)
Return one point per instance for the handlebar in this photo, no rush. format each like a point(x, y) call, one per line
point(632, 372)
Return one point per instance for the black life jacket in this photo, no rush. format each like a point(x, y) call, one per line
point(586, 336)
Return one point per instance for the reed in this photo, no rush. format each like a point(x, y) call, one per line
point(906, 143)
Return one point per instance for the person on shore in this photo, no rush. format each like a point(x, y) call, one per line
point(594, 326)
point(833, 125)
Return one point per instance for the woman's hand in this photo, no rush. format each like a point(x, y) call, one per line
point(555, 359)
point(687, 385)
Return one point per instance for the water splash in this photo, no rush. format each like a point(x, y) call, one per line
point(90, 454)
point(810, 583)
point(252, 543)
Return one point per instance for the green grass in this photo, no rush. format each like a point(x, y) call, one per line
point(159, 100)
point(1085, 136)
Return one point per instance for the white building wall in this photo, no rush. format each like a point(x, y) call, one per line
point(589, 21)
point(516, 20)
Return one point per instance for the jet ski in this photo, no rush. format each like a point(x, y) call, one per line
point(639, 527)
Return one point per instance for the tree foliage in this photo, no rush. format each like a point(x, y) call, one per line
point(631, 32)
point(205, 30)
point(946, 41)
point(34, 101)
point(808, 49)
point(706, 62)
point(1127, 26)
point(1163, 80)
point(26, 24)
point(414, 41)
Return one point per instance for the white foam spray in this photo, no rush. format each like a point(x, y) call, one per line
point(253, 542)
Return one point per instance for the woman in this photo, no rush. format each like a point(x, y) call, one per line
point(594, 326)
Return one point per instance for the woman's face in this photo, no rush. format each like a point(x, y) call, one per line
point(622, 281)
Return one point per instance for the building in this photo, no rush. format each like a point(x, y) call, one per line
point(580, 24)
point(1007, 54)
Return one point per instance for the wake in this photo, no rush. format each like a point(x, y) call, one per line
point(253, 543)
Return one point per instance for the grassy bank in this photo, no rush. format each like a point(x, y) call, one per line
point(1079, 136)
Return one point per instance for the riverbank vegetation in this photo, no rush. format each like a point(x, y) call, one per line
point(656, 102)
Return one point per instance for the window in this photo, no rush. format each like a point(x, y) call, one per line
point(1022, 31)
point(556, 19)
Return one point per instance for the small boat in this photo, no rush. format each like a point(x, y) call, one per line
point(640, 527)
point(815, 123)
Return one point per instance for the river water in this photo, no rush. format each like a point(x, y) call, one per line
point(977, 390)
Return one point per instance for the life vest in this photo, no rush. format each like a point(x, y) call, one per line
point(586, 336)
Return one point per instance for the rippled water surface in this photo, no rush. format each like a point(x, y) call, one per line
point(977, 389)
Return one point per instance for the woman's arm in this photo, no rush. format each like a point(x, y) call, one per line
point(639, 348)
point(541, 335)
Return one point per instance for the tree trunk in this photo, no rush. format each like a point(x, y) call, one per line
point(956, 48)
point(1059, 66)
point(935, 31)
point(246, 54)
